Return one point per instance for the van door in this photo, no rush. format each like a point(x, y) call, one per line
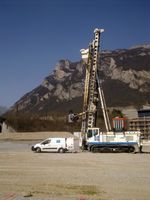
point(59, 143)
point(55, 144)
point(46, 145)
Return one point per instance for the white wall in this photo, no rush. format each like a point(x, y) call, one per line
point(7, 129)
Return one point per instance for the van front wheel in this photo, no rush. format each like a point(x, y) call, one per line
point(38, 150)
point(61, 150)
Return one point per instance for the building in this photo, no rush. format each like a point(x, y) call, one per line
point(142, 123)
point(144, 113)
point(130, 113)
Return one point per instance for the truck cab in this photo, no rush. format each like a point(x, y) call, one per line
point(93, 135)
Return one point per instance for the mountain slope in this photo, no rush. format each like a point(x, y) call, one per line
point(124, 73)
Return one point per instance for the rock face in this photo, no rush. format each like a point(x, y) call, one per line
point(129, 66)
point(124, 73)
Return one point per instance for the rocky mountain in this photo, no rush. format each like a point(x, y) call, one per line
point(125, 77)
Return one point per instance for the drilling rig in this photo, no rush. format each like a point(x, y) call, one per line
point(94, 139)
point(92, 88)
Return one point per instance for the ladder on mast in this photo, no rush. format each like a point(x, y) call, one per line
point(92, 86)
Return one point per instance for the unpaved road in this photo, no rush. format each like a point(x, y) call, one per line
point(72, 176)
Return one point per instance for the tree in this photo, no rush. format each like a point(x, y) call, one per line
point(116, 113)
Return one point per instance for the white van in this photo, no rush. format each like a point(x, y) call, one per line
point(60, 145)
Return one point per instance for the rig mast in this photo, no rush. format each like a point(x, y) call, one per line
point(92, 88)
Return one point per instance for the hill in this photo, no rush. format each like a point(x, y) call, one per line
point(125, 77)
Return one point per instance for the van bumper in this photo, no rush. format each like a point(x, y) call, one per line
point(32, 148)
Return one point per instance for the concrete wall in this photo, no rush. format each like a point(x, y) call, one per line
point(6, 129)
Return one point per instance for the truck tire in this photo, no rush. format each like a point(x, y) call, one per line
point(38, 150)
point(61, 150)
point(94, 149)
point(131, 149)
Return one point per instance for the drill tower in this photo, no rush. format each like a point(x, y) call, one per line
point(92, 88)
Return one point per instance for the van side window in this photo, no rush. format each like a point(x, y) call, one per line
point(46, 142)
point(57, 141)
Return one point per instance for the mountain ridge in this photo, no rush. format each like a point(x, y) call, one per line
point(124, 73)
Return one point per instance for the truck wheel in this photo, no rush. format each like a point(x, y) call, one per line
point(38, 150)
point(94, 149)
point(61, 150)
point(131, 149)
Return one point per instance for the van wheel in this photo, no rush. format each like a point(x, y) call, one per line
point(61, 150)
point(38, 150)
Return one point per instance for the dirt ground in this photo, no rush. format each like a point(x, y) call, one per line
point(72, 176)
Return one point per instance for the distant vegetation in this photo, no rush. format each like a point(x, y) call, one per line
point(116, 113)
point(26, 123)
point(54, 122)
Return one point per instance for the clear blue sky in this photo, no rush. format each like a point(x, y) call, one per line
point(36, 34)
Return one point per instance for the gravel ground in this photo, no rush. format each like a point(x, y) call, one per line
point(72, 176)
